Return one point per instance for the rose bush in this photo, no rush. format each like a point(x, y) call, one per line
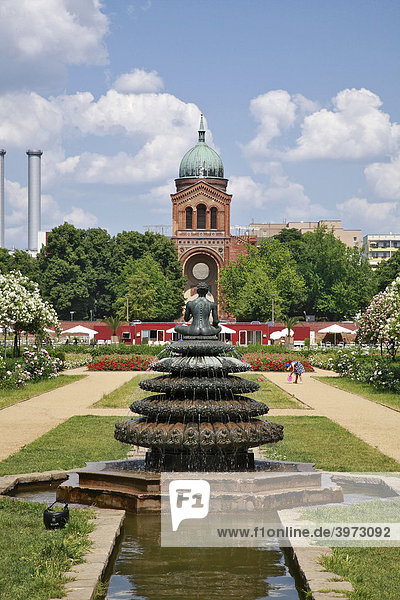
point(121, 363)
point(273, 362)
point(381, 373)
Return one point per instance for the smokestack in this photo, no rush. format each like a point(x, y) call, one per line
point(34, 198)
point(2, 153)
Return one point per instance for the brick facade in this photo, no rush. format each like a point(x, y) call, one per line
point(201, 230)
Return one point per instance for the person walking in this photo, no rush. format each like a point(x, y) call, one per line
point(297, 369)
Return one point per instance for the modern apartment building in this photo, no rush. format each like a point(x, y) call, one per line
point(350, 237)
point(379, 247)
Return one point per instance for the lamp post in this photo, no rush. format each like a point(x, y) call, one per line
point(72, 312)
point(91, 314)
point(273, 308)
point(127, 307)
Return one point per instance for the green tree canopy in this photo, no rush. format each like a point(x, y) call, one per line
point(19, 260)
point(387, 271)
point(87, 270)
point(152, 294)
point(339, 280)
point(248, 284)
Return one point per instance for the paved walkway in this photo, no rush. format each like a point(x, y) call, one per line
point(24, 422)
point(377, 425)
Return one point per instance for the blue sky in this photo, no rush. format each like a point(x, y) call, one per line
point(301, 99)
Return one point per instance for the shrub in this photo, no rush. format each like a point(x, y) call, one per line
point(323, 360)
point(40, 365)
point(264, 362)
point(381, 373)
point(121, 349)
point(121, 363)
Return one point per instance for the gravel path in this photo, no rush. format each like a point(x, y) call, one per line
point(24, 422)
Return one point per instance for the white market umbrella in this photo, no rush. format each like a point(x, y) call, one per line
point(284, 332)
point(335, 328)
point(81, 330)
point(225, 329)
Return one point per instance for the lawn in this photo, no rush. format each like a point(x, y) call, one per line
point(123, 396)
point(68, 446)
point(328, 445)
point(374, 572)
point(391, 399)
point(9, 397)
point(36, 560)
point(269, 393)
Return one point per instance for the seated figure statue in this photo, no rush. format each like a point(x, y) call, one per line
point(199, 310)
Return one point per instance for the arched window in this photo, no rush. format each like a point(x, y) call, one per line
point(201, 216)
point(189, 217)
point(213, 218)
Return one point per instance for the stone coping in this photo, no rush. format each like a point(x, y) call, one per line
point(307, 559)
point(108, 522)
point(88, 575)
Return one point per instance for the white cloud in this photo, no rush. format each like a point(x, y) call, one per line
point(28, 120)
point(138, 81)
point(39, 37)
point(355, 128)
point(373, 217)
point(160, 125)
point(17, 214)
point(80, 218)
point(385, 178)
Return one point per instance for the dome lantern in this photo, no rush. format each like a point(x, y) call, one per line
point(201, 161)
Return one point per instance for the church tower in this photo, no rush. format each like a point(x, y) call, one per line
point(201, 217)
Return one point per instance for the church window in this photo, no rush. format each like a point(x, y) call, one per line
point(189, 217)
point(201, 216)
point(213, 218)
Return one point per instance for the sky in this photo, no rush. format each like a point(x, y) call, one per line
point(301, 100)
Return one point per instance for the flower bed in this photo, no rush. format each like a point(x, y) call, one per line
point(273, 362)
point(121, 363)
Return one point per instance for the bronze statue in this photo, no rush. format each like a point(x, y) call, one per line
point(199, 310)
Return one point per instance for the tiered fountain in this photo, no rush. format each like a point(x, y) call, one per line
point(199, 421)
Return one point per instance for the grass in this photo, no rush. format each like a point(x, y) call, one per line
point(328, 445)
point(10, 397)
point(391, 399)
point(123, 396)
point(68, 446)
point(374, 572)
point(34, 560)
point(269, 393)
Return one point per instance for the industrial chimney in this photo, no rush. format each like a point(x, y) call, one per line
point(2, 153)
point(34, 198)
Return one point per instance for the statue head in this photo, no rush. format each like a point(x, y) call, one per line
point(202, 288)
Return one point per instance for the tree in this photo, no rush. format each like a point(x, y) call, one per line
point(339, 280)
point(86, 271)
point(19, 260)
point(380, 323)
point(152, 295)
point(387, 271)
point(290, 323)
point(113, 323)
point(22, 308)
point(248, 284)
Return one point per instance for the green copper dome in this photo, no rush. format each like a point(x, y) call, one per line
point(201, 161)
